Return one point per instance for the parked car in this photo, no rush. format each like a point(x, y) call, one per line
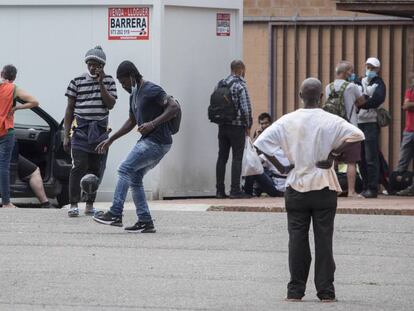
point(39, 138)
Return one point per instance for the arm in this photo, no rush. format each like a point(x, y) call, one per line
point(360, 101)
point(170, 110)
point(69, 115)
point(327, 164)
point(280, 167)
point(107, 98)
point(408, 105)
point(246, 108)
point(377, 98)
point(27, 100)
point(125, 129)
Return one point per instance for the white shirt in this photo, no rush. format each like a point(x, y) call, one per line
point(351, 93)
point(279, 183)
point(307, 136)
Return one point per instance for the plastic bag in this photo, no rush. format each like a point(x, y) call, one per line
point(251, 164)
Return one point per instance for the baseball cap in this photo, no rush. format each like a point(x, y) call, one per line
point(373, 61)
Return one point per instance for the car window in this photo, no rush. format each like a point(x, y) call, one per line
point(28, 118)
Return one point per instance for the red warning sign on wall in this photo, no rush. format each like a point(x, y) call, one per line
point(128, 23)
point(223, 24)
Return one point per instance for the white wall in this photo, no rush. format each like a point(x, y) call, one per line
point(47, 40)
point(194, 60)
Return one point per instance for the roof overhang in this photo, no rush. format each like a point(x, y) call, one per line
point(400, 8)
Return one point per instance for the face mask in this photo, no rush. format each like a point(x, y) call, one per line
point(134, 85)
point(370, 74)
point(352, 77)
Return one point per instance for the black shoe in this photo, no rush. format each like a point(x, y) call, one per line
point(46, 205)
point(240, 195)
point(142, 227)
point(369, 194)
point(108, 218)
point(221, 195)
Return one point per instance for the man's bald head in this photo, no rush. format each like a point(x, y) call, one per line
point(311, 92)
point(237, 67)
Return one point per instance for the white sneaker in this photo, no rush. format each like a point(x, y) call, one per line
point(73, 212)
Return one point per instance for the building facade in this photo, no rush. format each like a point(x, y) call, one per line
point(286, 41)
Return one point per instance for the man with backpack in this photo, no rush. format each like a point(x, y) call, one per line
point(230, 108)
point(153, 111)
point(342, 98)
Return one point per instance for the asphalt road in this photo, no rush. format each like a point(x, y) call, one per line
point(196, 261)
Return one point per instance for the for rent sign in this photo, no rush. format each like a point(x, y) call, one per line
point(128, 23)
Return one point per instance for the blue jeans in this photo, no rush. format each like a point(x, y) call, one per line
point(145, 155)
point(6, 151)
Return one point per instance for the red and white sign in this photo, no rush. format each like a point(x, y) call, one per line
point(128, 23)
point(223, 24)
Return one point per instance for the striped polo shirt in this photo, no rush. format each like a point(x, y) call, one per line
point(86, 91)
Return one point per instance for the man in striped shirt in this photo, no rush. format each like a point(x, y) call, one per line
point(90, 97)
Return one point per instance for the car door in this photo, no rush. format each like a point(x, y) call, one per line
point(39, 139)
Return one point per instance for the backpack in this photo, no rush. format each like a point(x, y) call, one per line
point(222, 109)
point(335, 103)
point(174, 123)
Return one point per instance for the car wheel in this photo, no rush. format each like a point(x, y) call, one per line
point(63, 197)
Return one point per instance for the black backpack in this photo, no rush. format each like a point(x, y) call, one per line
point(222, 109)
point(174, 123)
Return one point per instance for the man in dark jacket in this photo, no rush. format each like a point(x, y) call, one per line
point(374, 92)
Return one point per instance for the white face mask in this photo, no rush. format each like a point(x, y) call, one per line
point(134, 84)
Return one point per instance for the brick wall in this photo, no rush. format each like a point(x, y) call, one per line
point(286, 8)
point(256, 57)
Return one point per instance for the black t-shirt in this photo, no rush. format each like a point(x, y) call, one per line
point(146, 104)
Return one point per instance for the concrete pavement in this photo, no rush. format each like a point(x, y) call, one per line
point(196, 261)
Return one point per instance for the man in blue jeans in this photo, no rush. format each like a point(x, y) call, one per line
point(9, 94)
point(150, 110)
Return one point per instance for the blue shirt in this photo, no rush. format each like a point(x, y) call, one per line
point(146, 104)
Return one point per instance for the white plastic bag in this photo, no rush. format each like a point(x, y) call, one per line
point(251, 164)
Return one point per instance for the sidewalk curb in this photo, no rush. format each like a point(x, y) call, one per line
point(340, 210)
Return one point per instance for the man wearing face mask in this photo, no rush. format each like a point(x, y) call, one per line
point(374, 92)
point(150, 108)
point(352, 98)
point(90, 97)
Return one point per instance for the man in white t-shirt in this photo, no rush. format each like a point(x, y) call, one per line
point(311, 138)
point(352, 98)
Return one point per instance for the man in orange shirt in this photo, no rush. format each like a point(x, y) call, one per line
point(9, 92)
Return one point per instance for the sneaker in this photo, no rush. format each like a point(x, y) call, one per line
point(221, 195)
point(46, 205)
point(369, 194)
point(142, 227)
point(107, 218)
point(73, 212)
point(407, 192)
point(89, 210)
point(240, 195)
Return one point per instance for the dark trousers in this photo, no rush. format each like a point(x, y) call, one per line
point(265, 183)
point(230, 136)
point(84, 163)
point(302, 207)
point(369, 165)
